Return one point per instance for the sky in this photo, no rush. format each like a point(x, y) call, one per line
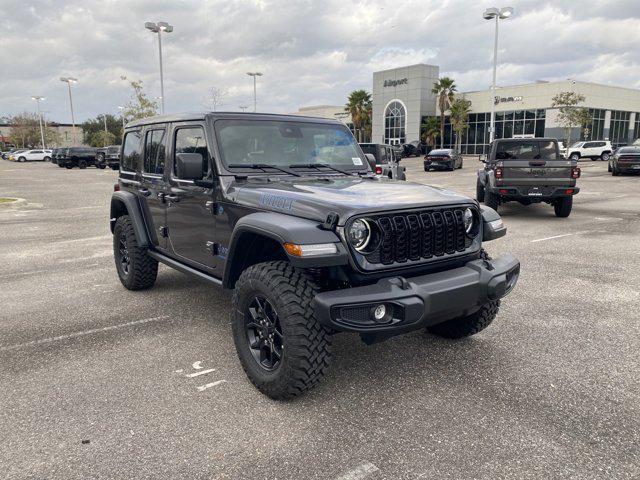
point(312, 52)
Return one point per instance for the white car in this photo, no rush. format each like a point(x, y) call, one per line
point(32, 155)
point(598, 149)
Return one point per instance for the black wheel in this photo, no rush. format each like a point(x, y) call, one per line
point(574, 156)
point(427, 169)
point(114, 167)
point(609, 167)
point(605, 156)
point(491, 200)
point(101, 167)
point(563, 206)
point(283, 349)
point(136, 269)
point(69, 166)
point(22, 159)
point(61, 165)
point(615, 171)
point(479, 191)
point(47, 159)
point(82, 164)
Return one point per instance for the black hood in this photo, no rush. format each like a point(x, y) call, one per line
point(315, 197)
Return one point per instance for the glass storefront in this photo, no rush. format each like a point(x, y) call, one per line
point(619, 127)
point(509, 124)
point(594, 131)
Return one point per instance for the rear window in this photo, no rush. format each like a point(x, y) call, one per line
point(440, 152)
point(526, 150)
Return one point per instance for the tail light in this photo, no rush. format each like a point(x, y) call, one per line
point(378, 170)
point(116, 187)
point(575, 172)
point(498, 172)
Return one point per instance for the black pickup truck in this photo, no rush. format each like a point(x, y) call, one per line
point(528, 171)
point(286, 212)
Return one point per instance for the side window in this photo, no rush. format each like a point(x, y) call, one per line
point(548, 150)
point(589, 145)
point(131, 152)
point(600, 144)
point(191, 140)
point(154, 152)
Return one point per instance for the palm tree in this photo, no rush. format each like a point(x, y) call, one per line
point(444, 89)
point(359, 107)
point(431, 130)
point(460, 117)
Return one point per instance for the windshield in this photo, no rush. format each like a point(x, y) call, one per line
point(247, 142)
point(635, 150)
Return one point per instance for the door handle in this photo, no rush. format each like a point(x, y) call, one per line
point(145, 192)
point(172, 198)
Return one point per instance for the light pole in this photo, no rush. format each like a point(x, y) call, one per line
point(122, 116)
point(69, 81)
point(254, 75)
point(159, 28)
point(37, 98)
point(106, 132)
point(497, 14)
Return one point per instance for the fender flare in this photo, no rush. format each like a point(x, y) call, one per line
point(286, 229)
point(132, 208)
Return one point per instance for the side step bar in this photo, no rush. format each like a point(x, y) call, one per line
point(184, 268)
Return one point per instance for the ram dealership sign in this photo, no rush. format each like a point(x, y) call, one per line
point(395, 83)
point(497, 100)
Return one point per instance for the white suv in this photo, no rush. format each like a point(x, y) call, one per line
point(599, 149)
point(29, 155)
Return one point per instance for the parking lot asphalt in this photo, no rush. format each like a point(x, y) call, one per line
point(100, 382)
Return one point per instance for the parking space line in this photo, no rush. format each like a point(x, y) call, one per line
point(359, 472)
point(82, 334)
point(550, 238)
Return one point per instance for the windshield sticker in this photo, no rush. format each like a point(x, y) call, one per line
point(356, 160)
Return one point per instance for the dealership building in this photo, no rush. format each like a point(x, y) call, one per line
point(402, 101)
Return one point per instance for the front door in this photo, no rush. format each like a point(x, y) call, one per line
point(153, 187)
point(190, 220)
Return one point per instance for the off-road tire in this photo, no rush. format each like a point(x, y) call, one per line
point(143, 269)
point(491, 200)
point(563, 206)
point(69, 166)
point(82, 164)
point(306, 343)
point(479, 191)
point(61, 165)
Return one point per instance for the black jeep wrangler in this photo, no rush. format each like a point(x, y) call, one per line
point(285, 211)
point(528, 171)
point(81, 157)
point(108, 156)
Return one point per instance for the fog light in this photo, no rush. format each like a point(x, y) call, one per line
point(379, 312)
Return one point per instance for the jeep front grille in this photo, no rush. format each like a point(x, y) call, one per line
point(419, 235)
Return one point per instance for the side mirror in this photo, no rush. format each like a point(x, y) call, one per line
point(189, 166)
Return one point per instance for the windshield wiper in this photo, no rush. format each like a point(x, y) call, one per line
point(262, 166)
point(317, 165)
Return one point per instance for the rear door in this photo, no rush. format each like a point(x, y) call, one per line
point(533, 163)
point(153, 184)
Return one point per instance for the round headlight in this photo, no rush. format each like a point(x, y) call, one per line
point(359, 234)
point(468, 219)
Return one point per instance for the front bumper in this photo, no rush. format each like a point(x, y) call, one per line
point(418, 301)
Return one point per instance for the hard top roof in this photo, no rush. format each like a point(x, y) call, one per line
point(187, 116)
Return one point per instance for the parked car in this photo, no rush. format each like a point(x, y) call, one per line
point(80, 157)
point(600, 149)
point(32, 155)
point(413, 149)
point(108, 156)
point(7, 154)
point(383, 160)
point(625, 160)
point(443, 159)
point(528, 171)
point(285, 212)
point(54, 155)
point(12, 155)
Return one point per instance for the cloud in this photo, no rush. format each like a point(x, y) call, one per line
point(311, 52)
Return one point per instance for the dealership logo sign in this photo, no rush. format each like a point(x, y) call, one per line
point(395, 83)
point(497, 100)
